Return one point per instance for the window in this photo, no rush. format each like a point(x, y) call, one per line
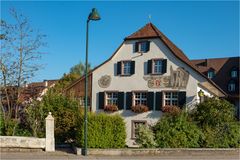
point(231, 86)
point(111, 98)
point(140, 98)
point(157, 66)
point(126, 65)
point(234, 72)
point(142, 47)
point(135, 125)
point(125, 68)
point(170, 98)
point(211, 74)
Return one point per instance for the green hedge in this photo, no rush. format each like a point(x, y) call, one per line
point(104, 131)
point(177, 132)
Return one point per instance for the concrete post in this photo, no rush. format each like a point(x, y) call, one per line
point(50, 140)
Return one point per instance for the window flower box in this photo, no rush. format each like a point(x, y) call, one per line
point(139, 108)
point(174, 110)
point(111, 108)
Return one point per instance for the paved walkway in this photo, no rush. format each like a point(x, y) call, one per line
point(59, 155)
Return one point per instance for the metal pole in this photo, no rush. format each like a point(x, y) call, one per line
point(86, 95)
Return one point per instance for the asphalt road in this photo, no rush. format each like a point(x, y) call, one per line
point(69, 156)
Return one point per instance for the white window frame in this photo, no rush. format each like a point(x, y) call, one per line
point(157, 68)
point(172, 99)
point(111, 97)
point(139, 96)
point(126, 67)
point(142, 46)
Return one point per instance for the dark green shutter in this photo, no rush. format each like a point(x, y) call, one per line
point(158, 101)
point(132, 67)
point(136, 47)
point(149, 67)
point(119, 68)
point(120, 100)
point(150, 100)
point(181, 99)
point(128, 100)
point(164, 68)
point(148, 46)
point(101, 99)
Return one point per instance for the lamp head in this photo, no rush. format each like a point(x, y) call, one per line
point(94, 15)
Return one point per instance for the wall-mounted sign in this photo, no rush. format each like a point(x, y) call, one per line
point(177, 79)
point(104, 81)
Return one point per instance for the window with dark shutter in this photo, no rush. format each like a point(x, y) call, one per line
point(149, 67)
point(150, 100)
point(120, 100)
point(101, 99)
point(158, 101)
point(128, 100)
point(119, 68)
point(132, 67)
point(136, 47)
point(164, 68)
point(181, 99)
point(147, 46)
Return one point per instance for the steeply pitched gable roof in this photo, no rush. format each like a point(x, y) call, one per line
point(150, 31)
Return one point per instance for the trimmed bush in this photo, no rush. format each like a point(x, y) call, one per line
point(104, 131)
point(177, 132)
point(145, 137)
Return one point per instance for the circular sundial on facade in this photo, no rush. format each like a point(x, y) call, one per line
point(104, 81)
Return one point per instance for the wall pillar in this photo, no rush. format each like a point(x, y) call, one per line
point(50, 140)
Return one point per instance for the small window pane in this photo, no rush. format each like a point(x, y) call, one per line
point(127, 68)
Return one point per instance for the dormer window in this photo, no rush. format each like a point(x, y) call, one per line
point(234, 73)
point(231, 86)
point(211, 73)
point(142, 46)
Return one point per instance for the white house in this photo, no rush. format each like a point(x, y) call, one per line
point(146, 70)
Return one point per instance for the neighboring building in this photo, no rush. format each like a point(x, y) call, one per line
point(36, 90)
point(146, 70)
point(225, 73)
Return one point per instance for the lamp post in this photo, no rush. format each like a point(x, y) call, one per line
point(94, 16)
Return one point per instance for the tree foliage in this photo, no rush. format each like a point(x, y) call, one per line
point(79, 69)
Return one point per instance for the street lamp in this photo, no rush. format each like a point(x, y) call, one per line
point(94, 16)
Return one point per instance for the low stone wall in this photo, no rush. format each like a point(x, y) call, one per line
point(22, 142)
point(159, 151)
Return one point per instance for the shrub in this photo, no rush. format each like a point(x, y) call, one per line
point(139, 108)
point(111, 108)
point(2, 132)
point(104, 131)
point(213, 112)
point(173, 110)
point(177, 131)
point(216, 119)
point(145, 137)
point(225, 136)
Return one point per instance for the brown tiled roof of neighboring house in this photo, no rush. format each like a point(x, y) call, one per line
point(222, 68)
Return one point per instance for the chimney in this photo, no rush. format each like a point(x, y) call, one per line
point(46, 83)
point(206, 62)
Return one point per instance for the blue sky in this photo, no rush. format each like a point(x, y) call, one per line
point(201, 29)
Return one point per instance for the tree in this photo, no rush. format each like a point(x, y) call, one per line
point(79, 69)
point(20, 52)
